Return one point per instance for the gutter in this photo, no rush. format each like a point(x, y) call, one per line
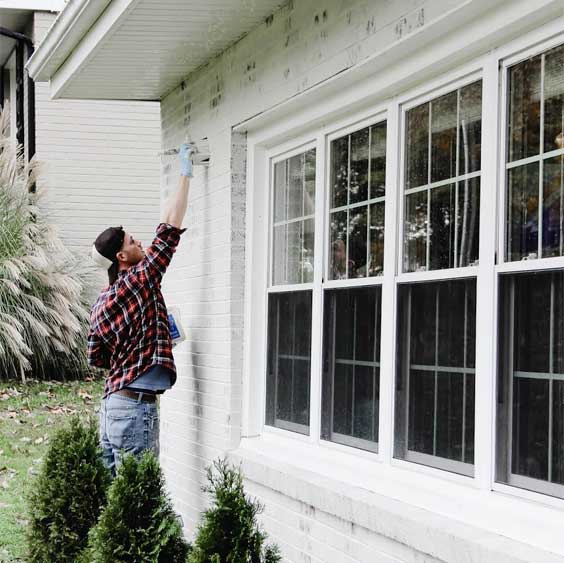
point(65, 34)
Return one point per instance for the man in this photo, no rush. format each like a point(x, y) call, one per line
point(129, 333)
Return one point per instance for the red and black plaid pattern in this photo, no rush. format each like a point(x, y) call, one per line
point(129, 329)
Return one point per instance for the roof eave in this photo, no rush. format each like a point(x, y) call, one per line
point(67, 31)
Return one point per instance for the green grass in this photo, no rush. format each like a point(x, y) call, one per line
point(29, 415)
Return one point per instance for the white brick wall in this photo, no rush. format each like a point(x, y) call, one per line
point(302, 45)
point(99, 162)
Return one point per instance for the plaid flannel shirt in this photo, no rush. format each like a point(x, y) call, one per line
point(129, 330)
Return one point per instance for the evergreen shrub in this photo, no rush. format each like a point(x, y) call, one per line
point(229, 532)
point(67, 495)
point(138, 524)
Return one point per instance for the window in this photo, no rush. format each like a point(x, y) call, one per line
point(436, 373)
point(358, 172)
point(337, 319)
point(535, 149)
point(436, 332)
point(530, 394)
point(442, 181)
point(289, 312)
point(531, 382)
point(351, 371)
point(352, 315)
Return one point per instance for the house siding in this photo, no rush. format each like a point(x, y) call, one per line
point(301, 45)
point(98, 160)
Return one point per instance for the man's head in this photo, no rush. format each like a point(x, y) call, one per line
point(116, 249)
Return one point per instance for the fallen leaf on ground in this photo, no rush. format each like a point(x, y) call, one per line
point(86, 396)
point(39, 440)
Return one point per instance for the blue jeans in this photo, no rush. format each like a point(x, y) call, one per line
point(127, 426)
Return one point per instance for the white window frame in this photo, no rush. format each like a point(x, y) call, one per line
point(536, 45)
point(274, 138)
point(466, 75)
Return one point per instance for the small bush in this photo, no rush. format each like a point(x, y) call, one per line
point(138, 524)
point(67, 495)
point(229, 532)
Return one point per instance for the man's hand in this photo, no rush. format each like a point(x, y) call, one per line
point(185, 158)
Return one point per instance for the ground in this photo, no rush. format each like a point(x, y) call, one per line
point(29, 415)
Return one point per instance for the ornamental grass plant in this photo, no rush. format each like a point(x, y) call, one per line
point(43, 306)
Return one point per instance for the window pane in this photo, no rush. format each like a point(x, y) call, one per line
point(523, 219)
point(530, 378)
point(415, 232)
point(289, 361)
point(417, 146)
point(359, 166)
point(443, 137)
point(280, 190)
point(470, 129)
point(279, 262)
point(338, 254)
point(294, 270)
point(442, 227)
point(339, 171)
point(376, 234)
point(308, 241)
point(309, 176)
point(524, 109)
point(553, 195)
point(468, 239)
point(351, 368)
point(435, 380)
point(378, 160)
point(293, 229)
point(358, 235)
point(554, 99)
point(296, 186)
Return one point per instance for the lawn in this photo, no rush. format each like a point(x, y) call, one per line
point(29, 415)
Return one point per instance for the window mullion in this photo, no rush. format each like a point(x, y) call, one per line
point(317, 297)
point(486, 299)
point(388, 305)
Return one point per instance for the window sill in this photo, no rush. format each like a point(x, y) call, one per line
point(434, 516)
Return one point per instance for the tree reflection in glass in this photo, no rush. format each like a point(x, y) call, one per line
point(441, 218)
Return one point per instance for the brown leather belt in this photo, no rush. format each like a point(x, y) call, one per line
point(145, 397)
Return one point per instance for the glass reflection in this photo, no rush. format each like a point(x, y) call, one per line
point(443, 136)
point(470, 128)
point(359, 166)
point(524, 109)
point(289, 360)
point(415, 232)
point(351, 367)
point(523, 219)
point(417, 146)
point(554, 99)
point(435, 385)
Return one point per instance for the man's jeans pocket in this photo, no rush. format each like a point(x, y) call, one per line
point(122, 428)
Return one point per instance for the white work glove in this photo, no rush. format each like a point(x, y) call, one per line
point(185, 158)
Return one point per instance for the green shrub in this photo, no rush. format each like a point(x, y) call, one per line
point(43, 310)
point(67, 495)
point(229, 532)
point(138, 524)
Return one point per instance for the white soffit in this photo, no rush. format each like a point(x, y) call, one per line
point(138, 49)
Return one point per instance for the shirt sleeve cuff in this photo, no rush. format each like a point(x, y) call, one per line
point(166, 227)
